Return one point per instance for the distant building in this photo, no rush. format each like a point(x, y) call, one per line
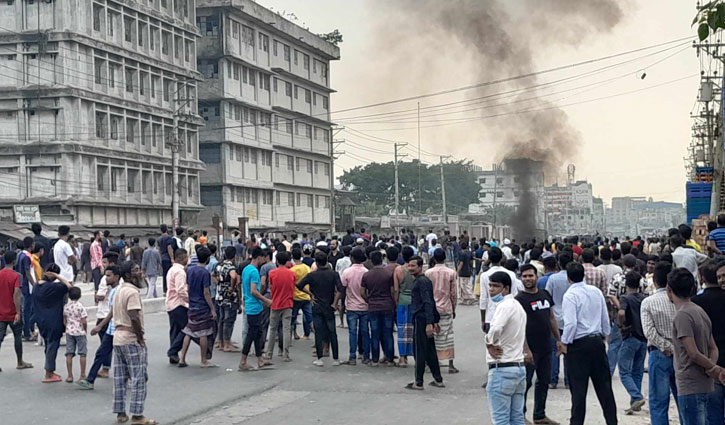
point(266, 103)
point(570, 209)
point(87, 107)
point(640, 216)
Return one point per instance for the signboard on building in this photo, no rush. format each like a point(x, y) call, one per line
point(385, 222)
point(582, 195)
point(26, 214)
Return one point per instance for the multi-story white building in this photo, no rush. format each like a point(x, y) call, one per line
point(266, 103)
point(87, 100)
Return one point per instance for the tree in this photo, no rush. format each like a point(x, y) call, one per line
point(375, 184)
point(333, 37)
point(710, 17)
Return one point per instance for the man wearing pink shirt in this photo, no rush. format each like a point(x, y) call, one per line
point(177, 303)
point(444, 292)
point(96, 260)
point(356, 306)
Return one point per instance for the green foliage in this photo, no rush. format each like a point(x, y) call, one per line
point(333, 37)
point(711, 18)
point(375, 185)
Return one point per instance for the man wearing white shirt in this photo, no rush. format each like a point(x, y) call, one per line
point(431, 235)
point(63, 254)
point(586, 324)
point(488, 303)
point(506, 352)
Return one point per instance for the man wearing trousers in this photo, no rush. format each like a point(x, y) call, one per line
point(586, 324)
point(658, 314)
point(425, 321)
point(177, 304)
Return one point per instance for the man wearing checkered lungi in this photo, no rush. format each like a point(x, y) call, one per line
point(129, 348)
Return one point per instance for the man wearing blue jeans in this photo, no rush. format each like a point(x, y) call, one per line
point(634, 344)
point(506, 351)
point(712, 300)
point(658, 313)
point(557, 285)
point(377, 289)
point(695, 351)
point(356, 306)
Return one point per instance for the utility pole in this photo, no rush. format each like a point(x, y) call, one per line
point(333, 152)
point(175, 144)
point(420, 186)
point(397, 196)
point(443, 190)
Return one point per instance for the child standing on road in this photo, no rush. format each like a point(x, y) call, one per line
point(76, 325)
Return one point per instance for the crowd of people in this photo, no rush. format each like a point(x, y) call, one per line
point(600, 304)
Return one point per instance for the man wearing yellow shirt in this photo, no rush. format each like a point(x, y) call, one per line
point(37, 254)
point(300, 299)
point(686, 233)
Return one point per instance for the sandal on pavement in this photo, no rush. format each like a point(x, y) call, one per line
point(143, 421)
point(122, 418)
point(414, 387)
point(437, 384)
point(54, 378)
point(25, 365)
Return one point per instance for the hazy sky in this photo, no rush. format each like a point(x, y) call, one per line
point(632, 144)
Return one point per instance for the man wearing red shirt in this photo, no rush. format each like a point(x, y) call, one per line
point(282, 285)
point(10, 306)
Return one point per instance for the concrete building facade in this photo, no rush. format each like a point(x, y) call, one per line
point(87, 103)
point(266, 103)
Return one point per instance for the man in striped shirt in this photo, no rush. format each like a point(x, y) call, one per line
point(658, 314)
point(593, 275)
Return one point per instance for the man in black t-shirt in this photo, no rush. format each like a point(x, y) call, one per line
point(465, 271)
point(541, 325)
point(167, 246)
point(324, 288)
point(634, 343)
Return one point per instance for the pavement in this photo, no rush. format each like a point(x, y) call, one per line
point(295, 392)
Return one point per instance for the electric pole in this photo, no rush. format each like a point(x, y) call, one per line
point(175, 144)
point(443, 190)
point(333, 152)
point(420, 187)
point(397, 197)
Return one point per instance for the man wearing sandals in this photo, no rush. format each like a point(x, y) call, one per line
point(129, 348)
point(425, 320)
point(11, 310)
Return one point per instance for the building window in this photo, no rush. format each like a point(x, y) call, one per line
point(288, 126)
point(112, 75)
point(288, 89)
point(235, 30)
point(131, 180)
point(127, 28)
point(101, 177)
point(297, 89)
point(290, 199)
point(110, 23)
point(101, 125)
point(167, 89)
point(286, 53)
point(308, 96)
point(237, 70)
point(98, 70)
point(325, 104)
point(306, 62)
point(274, 84)
point(296, 54)
point(130, 130)
point(290, 163)
point(115, 121)
point(263, 42)
point(165, 41)
point(129, 79)
point(264, 82)
point(97, 11)
point(247, 36)
point(274, 52)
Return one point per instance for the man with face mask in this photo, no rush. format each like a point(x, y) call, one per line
point(541, 326)
point(506, 353)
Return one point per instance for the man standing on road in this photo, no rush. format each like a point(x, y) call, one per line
point(557, 285)
point(167, 248)
point(177, 304)
point(282, 282)
point(444, 291)
point(24, 267)
point(40, 240)
point(129, 348)
point(540, 323)
point(593, 275)
point(695, 350)
point(377, 289)
point(425, 319)
point(658, 314)
point(254, 303)
point(712, 300)
point(151, 267)
point(96, 260)
point(404, 283)
point(356, 306)
point(465, 271)
point(505, 355)
point(63, 254)
point(586, 324)
point(324, 284)
point(716, 239)
point(11, 311)
point(202, 313)
point(634, 343)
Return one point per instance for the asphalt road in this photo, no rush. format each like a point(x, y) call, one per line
point(295, 392)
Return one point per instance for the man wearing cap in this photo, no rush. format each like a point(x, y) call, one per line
point(506, 249)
